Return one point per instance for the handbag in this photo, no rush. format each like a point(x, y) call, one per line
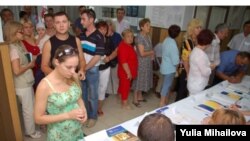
point(156, 66)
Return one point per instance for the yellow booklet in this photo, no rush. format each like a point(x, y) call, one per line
point(121, 134)
point(231, 95)
point(210, 105)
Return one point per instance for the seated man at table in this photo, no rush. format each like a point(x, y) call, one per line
point(156, 127)
point(232, 67)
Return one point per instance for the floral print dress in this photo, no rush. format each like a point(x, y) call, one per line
point(68, 130)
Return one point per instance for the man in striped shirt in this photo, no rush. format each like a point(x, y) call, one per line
point(92, 42)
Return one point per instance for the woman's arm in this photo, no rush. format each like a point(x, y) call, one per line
point(235, 107)
point(127, 70)
point(144, 53)
point(111, 56)
point(18, 69)
point(82, 107)
point(186, 66)
point(185, 59)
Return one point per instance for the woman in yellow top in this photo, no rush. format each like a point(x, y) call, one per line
point(193, 29)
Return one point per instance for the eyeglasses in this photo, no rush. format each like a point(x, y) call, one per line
point(67, 52)
point(199, 27)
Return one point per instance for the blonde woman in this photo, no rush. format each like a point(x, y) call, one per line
point(225, 116)
point(29, 40)
point(23, 77)
point(193, 29)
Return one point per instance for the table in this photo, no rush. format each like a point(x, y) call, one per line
point(187, 111)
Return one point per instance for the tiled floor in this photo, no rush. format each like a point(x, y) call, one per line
point(113, 114)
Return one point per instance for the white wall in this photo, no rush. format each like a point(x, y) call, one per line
point(236, 16)
point(1, 32)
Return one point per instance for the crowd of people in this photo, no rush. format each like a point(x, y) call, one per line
point(71, 74)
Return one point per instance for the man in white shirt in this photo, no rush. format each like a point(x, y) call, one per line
point(213, 52)
point(120, 23)
point(241, 41)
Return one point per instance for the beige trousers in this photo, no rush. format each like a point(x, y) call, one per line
point(26, 98)
point(113, 81)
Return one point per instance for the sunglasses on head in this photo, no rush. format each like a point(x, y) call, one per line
point(67, 52)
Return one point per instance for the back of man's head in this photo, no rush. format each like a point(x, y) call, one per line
point(156, 127)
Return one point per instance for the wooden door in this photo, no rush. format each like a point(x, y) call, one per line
point(10, 127)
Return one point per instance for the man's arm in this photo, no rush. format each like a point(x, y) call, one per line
point(231, 79)
point(239, 76)
point(98, 53)
point(111, 56)
point(81, 59)
point(222, 76)
point(92, 62)
point(45, 66)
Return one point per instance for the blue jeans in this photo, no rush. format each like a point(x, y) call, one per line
point(90, 92)
point(167, 82)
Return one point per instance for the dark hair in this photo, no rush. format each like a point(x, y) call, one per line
point(156, 127)
point(120, 9)
point(5, 10)
point(174, 31)
point(22, 14)
point(247, 22)
point(205, 37)
point(221, 27)
point(61, 13)
point(48, 15)
point(244, 54)
point(65, 51)
point(51, 9)
point(142, 22)
point(81, 7)
point(102, 24)
point(90, 13)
